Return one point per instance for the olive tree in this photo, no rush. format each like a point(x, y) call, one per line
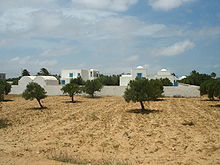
point(92, 86)
point(34, 91)
point(5, 88)
point(141, 90)
point(71, 89)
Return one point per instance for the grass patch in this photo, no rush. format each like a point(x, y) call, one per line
point(66, 158)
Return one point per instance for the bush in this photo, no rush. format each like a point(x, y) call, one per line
point(109, 80)
point(211, 88)
point(71, 89)
point(34, 91)
point(141, 90)
point(5, 88)
point(166, 82)
point(92, 86)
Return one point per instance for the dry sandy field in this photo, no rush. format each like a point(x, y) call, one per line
point(109, 131)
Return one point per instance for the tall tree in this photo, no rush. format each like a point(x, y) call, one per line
point(43, 72)
point(72, 89)
point(92, 86)
point(141, 90)
point(25, 72)
point(34, 91)
point(5, 88)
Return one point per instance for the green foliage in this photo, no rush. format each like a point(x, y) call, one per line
point(195, 78)
point(166, 82)
point(14, 80)
point(78, 81)
point(5, 88)
point(109, 80)
point(34, 91)
point(140, 90)
point(92, 86)
point(25, 72)
point(43, 72)
point(71, 89)
point(211, 88)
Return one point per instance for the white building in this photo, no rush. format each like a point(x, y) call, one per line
point(46, 80)
point(141, 72)
point(67, 75)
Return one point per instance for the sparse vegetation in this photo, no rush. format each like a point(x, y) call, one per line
point(34, 91)
point(92, 86)
point(4, 123)
point(141, 90)
point(71, 89)
point(78, 81)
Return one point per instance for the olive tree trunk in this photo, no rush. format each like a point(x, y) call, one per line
point(41, 106)
point(142, 105)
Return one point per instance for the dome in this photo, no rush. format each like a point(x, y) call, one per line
point(163, 70)
point(140, 67)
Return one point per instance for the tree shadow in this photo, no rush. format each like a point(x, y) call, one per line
point(216, 106)
point(160, 99)
point(95, 97)
point(210, 100)
point(7, 100)
point(4, 123)
point(72, 102)
point(37, 108)
point(140, 111)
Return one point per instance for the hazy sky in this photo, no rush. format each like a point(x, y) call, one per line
point(110, 35)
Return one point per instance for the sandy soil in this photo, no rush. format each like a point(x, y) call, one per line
point(94, 131)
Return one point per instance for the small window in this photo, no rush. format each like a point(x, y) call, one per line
point(71, 75)
point(63, 82)
point(78, 75)
point(139, 75)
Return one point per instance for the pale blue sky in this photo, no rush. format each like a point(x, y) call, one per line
point(110, 35)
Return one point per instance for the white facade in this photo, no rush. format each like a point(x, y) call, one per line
point(141, 72)
point(67, 75)
point(46, 80)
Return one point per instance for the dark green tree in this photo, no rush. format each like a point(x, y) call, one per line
point(112, 80)
point(5, 88)
point(25, 72)
point(34, 91)
point(213, 74)
point(92, 86)
point(78, 81)
point(141, 90)
point(195, 78)
point(211, 88)
point(43, 72)
point(71, 89)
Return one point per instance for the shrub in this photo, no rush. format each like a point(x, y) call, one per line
point(109, 80)
point(166, 82)
point(5, 88)
point(34, 91)
point(141, 90)
point(71, 89)
point(92, 86)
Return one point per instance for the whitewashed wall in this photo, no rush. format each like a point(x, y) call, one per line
point(184, 91)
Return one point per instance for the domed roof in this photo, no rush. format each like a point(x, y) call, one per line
point(163, 70)
point(140, 67)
